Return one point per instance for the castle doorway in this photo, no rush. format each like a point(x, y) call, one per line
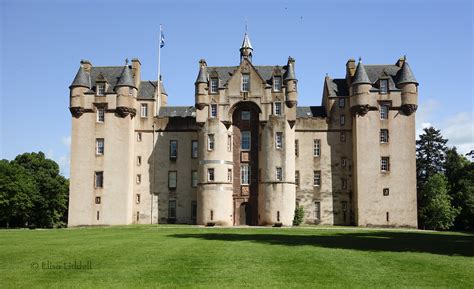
point(244, 214)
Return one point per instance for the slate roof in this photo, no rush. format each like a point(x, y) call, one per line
point(360, 76)
point(110, 73)
point(337, 87)
point(126, 78)
point(81, 79)
point(177, 111)
point(310, 111)
point(406, 75)
point(225, 72)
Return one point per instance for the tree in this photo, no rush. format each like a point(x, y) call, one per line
point(50, 205)
point(430, 155)
point(459, 172)
point(438, 213)
point(17, 192)
point(299, 216)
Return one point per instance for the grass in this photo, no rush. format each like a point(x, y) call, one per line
point(186, 256)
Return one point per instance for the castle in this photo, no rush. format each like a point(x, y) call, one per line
point(245, 153)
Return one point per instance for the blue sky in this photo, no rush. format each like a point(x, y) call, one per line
point(42, 43)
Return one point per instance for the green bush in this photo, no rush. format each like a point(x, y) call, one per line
point(299, 216)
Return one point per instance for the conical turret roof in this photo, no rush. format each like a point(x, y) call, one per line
point(246, 42)
point(406, 75)
point(126, 78)
point(82, 79)
point(361, 76)
point(202, 76)
point(290, 70)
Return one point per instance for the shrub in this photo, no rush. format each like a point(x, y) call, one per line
point(299, 216)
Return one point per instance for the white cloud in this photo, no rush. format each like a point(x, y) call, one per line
point(459, 130)
point(66, 140)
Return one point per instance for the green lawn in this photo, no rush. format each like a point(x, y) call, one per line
point(186, 256)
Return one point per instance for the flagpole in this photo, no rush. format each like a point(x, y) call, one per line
point(158, 84)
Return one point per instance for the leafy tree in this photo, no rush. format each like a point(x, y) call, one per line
point(17, 192)
point(299, 216)
point(430, 155)
point(459, 172)
point(438, 213)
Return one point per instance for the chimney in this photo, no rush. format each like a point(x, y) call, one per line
point(401, 61)
point(86, 64)
point(136, 68)
point(350, 68)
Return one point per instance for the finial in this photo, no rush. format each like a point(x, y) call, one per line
point(126, 61)
point(405, 57)
point(326, 74)
point(360, 59)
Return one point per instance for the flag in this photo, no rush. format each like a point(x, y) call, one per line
point(162, 39)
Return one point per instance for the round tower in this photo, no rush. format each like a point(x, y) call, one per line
point(201, 86)
point(360, 87)
point(214, 196)
point(290, 82)
point(409, 86)
point(78, 87)
point(126, 93)
point(277, 191)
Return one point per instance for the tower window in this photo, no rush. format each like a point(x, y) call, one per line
point(343, 162)
point(229, 175)
point(342, 119)
point(385, 164)
point(210, 175)
point(214, 85)
point(343, 184)
point(245, 140)
point(144, 110)
point(317, 211)
point(97, 200)
point(343, 136)
point(384, 135)
point(213, 110)
point(99, 146)
point(138, 199)
point(99, 179)
point(245, 82)
point(316, 147)
point(100, 114)
point(139, 179)
point(383, 86)
point(277, 83)
point(139, 160)
point(194, 149)
point(210, 142)
point(229, 143)
point(194, 179)
point(172, 209)
point(139, 136)
point(279, 174)
point(384, 108)
point(277, 108)
point(316, 178)
point(297, 178)
point(172, 179)
point(245, 174)
point(297, 149)
point(342, 102)
point(98, 215)
point(279, 140)
point(245, 115)
point(173, 149)
point(386, 191)
point(100, 88)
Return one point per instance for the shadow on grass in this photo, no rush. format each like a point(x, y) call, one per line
point(440, 243)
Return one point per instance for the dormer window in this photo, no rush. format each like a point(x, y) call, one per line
point(277, 83)
point(245, 82)
point(384, 86)
point(100, 88)
point(214, 85)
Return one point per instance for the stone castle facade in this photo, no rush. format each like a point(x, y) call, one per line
point(245, 153)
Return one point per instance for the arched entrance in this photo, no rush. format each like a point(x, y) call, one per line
point(245, 214)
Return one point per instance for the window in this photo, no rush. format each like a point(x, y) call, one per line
point(99, 179)
point(279, 174)
point(385, 164)
point(139, 178)
point(214, 85)
point(210, 142)
point(98, 215)
point(100, 114)
point(138, 199)
point(387, 216)
point(342, 119)
point(384, 111)
point(383, 86)
point(245, 115)
point(384, 135)
point(172, 179)
point(277, 83)
point(386, 191)
point(99, 146)
point(138, 216)
point(342, 102)
point(139, 160)
point(297, 149)
point(210, 175)
point(229, 175)
point(193, 210)
point(277, 108)
point(245, 174)
point(279, 140)
point(213, 110)
point(297, 178)
point(144, 110)
point(245, 82)
point(343, 184)
point(194, 179)
point(229, 143)
point(139, 136)
point(97, 200)
point(100, 88)
point(173, 149)
point(245, 141)
point(316, 178)
point(194, 149)
point(316, 147)
point(172, 209)
point(343, 136)
point(317, 211)
point(343, 162)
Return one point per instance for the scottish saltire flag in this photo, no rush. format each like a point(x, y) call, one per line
point(162, 39)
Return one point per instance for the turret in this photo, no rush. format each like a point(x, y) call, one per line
point(290, 82)
point(201, 85)
point(126, 92)
point(409, 86)
point(246, 49)
point(78, 87)
point(361, 86)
